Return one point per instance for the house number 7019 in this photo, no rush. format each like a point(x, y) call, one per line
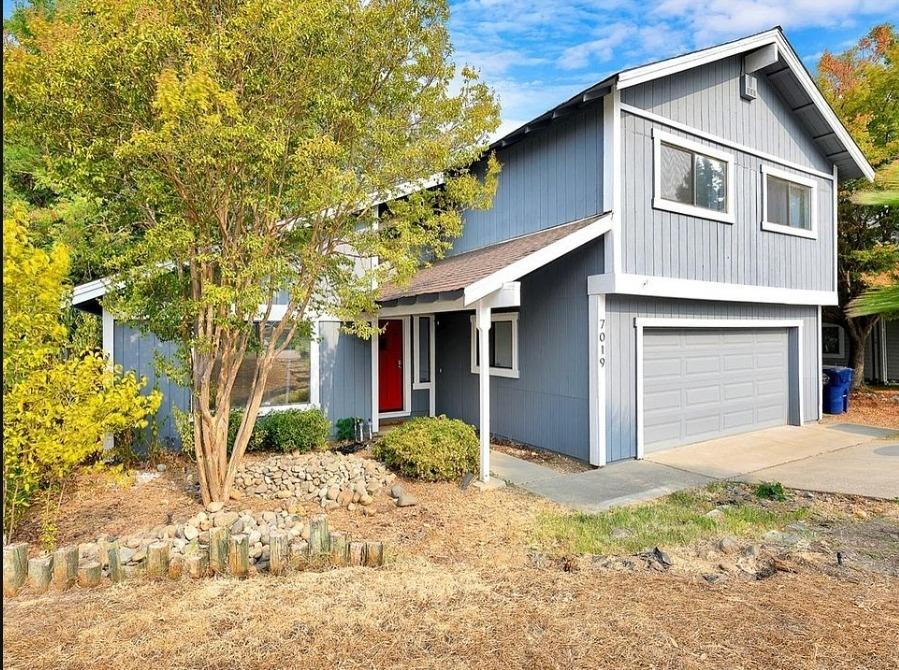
point(602, 343)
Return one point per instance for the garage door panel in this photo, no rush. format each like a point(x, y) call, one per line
point(702, 384)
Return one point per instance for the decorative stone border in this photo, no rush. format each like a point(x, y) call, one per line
point(225, 554)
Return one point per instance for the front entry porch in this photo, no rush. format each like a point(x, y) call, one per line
point(404, 359)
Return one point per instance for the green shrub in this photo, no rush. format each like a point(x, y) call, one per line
point(286, 430)
point(295, 430)
point(430, 448)
point(770, 491)
point(346, 428)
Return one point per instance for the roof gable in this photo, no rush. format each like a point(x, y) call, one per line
point(786, 72)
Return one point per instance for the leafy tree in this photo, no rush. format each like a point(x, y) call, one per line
point(57, 403)
point(244, 145)
point(862, 85)
point(882, 300)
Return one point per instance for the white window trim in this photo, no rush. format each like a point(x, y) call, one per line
point(417, 384)
point(314, 377)
point(512, 373)
point(770, 226)
point(841, 351)
point(658, 202)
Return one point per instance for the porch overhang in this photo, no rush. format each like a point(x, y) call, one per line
point(460, 282)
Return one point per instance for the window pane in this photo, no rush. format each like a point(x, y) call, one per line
point(799, 206)
point(830, 338)
point(711, 183)
point(288, 381)
point(677, 174)
point(424, 349)
point(501, 345)
point(777, 201)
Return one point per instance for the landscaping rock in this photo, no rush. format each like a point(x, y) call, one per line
point(406, 500)
point(728, 545)
point(322, 477)
point(214, 507)
point(161, 467)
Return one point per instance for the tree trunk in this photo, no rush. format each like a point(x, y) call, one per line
point(859, 329)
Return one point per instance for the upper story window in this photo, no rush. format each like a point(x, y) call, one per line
point(789, 203)
point(692, 179)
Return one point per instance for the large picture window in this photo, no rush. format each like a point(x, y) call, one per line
point(503, 346)
point(692, 179)
point(789, 203)
point(289, 382)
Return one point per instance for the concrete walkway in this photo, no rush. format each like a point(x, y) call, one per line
point(843, 458)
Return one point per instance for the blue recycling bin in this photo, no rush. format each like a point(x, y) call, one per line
point(837, 382)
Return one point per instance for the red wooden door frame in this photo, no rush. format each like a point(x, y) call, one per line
point(390, 366)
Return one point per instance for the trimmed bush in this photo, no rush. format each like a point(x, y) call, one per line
point(288, 430)
point(295, 430)
point(432, 449)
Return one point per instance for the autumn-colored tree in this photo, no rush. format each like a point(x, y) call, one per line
point(57, 403)
point(862, 85)
point(244, 145)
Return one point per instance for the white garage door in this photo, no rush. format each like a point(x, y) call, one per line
point(702, 384)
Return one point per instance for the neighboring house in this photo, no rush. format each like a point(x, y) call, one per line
point(881, 350)
point(651, 273)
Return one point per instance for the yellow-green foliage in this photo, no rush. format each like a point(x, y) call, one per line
point(57, 404)
point(432, 449)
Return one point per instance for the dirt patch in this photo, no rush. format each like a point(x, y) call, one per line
point(554, 461)
point(871, 406)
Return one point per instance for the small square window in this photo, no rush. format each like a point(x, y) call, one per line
point(788, 203)
point(503, 345)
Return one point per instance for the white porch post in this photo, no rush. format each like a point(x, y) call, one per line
point(375, 427)
point(482, 322)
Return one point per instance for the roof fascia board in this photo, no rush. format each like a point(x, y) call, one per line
point(531, 262)
point(640, 75)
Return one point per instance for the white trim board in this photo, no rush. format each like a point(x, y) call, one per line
point(597, 382)
point(723, 141)
point(671, 66)
point(790, 178)
point(512, 372)
point(660, 137)
point(496, 281)
point(641, 323)
point(694, 289)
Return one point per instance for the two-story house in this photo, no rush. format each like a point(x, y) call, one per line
point(651, 273)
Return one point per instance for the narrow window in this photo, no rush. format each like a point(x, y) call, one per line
point(423, 350)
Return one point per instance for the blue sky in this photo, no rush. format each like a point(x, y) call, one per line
point(537, 53)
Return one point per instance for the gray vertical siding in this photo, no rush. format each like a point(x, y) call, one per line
point(661, 243)
point(344, 372)
point(708, 98)
point(621, 427)
point(136, 351)
point(552, 177)
point(547, 406)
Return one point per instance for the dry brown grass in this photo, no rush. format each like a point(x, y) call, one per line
point(419, 614)
point(459, 592)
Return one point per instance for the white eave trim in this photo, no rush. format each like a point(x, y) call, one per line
point(694, 289)
point(672, 66)
point(494, 282)
point(90, 290)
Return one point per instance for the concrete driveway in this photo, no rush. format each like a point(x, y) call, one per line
point(839, 458)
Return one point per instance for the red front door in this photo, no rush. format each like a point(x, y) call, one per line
point(390, 366)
